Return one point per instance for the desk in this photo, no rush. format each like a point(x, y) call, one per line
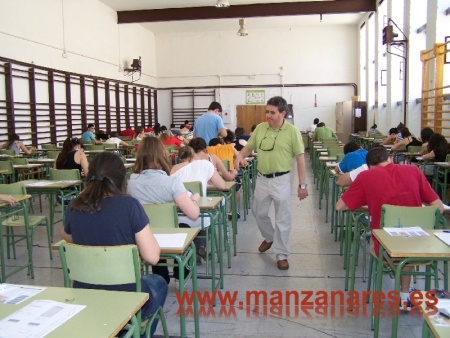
point(184, 256)
point(229, 193)
point(212, 207)
point(53, 188)
point(22, 169)
point(106, 312)
point(429, 325)
point(405, 249)
point(5, 211)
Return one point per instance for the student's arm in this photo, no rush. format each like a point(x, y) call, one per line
point(147, 245)
point(221, 168)
point(222, 132)
point(123, 143)
point(84, 162)
point(340, 205)
point(439, 204)
point(65, 236)
point(217, 180)
point(25, 149)
point(8, 198)
point(344, 180)
point(424, 148)
point(188, 205)
point(399, 144)
point(429, 156)
point(336, 169)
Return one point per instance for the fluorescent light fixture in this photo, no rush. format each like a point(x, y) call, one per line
point(242, 30)
point(222, 4)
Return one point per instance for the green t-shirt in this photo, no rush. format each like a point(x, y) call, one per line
point(276, 148)
point(323, 132)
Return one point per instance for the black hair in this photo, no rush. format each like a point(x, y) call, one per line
point(377, 155)
point(214, 141)
point(350, 147)
point(426, 133)
point(215, 105)
point(321, 124)
point(198, 144)
point(316, 120)
point(278, 102)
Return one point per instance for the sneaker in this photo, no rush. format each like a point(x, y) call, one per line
point(405, 304)
point(230, 216)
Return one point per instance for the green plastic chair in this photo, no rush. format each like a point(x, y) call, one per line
point(98, 147)
point(399, 217)
point(48, 146)
point(7, 152)
point(92, 264)
point(18, 221)
point(10, 173)
point(27, 173)
point(53, 154)
point(163, 215)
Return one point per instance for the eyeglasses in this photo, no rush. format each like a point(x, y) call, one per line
point(266, 147)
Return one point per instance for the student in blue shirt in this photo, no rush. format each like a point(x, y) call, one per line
point(355, 156)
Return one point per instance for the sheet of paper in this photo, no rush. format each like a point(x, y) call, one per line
point(443, 236)
point(15, 294)
point(37, 319)
point(171, 240)
point(406, 232)
point(439, 319)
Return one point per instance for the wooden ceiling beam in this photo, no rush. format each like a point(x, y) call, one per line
point(247, 11)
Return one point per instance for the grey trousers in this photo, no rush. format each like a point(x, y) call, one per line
point(278, 191)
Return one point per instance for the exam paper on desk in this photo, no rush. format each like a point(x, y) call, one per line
point(170, 240)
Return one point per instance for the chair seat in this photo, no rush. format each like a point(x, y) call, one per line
point(19, 221)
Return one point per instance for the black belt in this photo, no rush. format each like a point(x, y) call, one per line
point(272, 175)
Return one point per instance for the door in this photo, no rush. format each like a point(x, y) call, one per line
point(247, 115)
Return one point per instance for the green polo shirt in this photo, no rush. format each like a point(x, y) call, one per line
point(286, 142)
point(323, 132)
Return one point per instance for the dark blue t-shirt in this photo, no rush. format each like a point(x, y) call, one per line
point(117, 222)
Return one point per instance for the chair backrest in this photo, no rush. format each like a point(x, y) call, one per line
point(13, 189)
point(53, 154)
point(19, 161)
point(335, 151)
point(447, 158)
point(97, 147)
point(64, 174)
point(101, 265)
point(194, 187)
point(87, 142)
point(162, 215)
point(8, 166)
point(48, 146)
point(400, 217)
point(171, 149)
point(414, 149)
point(110, 145)
point(226, 164)
point(125, 138)
point(7, 152)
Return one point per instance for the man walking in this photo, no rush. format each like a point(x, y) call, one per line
point(210, 124)
point(277, 143)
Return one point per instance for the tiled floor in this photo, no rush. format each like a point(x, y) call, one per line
point(315, 265)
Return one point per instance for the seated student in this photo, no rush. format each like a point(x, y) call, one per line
point(344, 180)
point(140, 133)
point(15, 144)
point(89, 136)
point(388, 183)
point(437, 152)
point(355, 156)
point(406, 141)
point(129, 132)
point(399, 131)
point(373, 131)
point(168, 139)
point(104, 215)
point(240, 135)
point(313, 127)
point(151, 183)
point(174, 130)
point(72, 156)
point(425, 135)
point(322, 132)
point(187, 125)
point(226, 150)
point(101, 135)
point(148, 129)
point(190, 170)
point(114, 139)
point(252, 129)
point(391, 138)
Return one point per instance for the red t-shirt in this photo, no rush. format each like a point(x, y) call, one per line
point(148, 130)
point(128, 132)
point(173, 140)
point(395, 184)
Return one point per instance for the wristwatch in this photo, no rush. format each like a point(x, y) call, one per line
point(303, 186)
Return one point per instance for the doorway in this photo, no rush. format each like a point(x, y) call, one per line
point(248, 115)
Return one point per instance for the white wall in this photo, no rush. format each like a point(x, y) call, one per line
point(316, 55)
point(40, 31)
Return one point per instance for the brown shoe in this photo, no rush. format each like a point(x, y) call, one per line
point(264, 246)
point(283, 264)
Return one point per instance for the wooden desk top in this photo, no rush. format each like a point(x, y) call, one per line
point(131, 159)
point(228, 186)
point(19, 198)
point(42, 160)
point(191, 234)
point(438, 331)
point(423, 246)
point(209, 203)
point(327, 158)
point(47, 184)
point(128, 165)
point(105, 314)
point(3, 172)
